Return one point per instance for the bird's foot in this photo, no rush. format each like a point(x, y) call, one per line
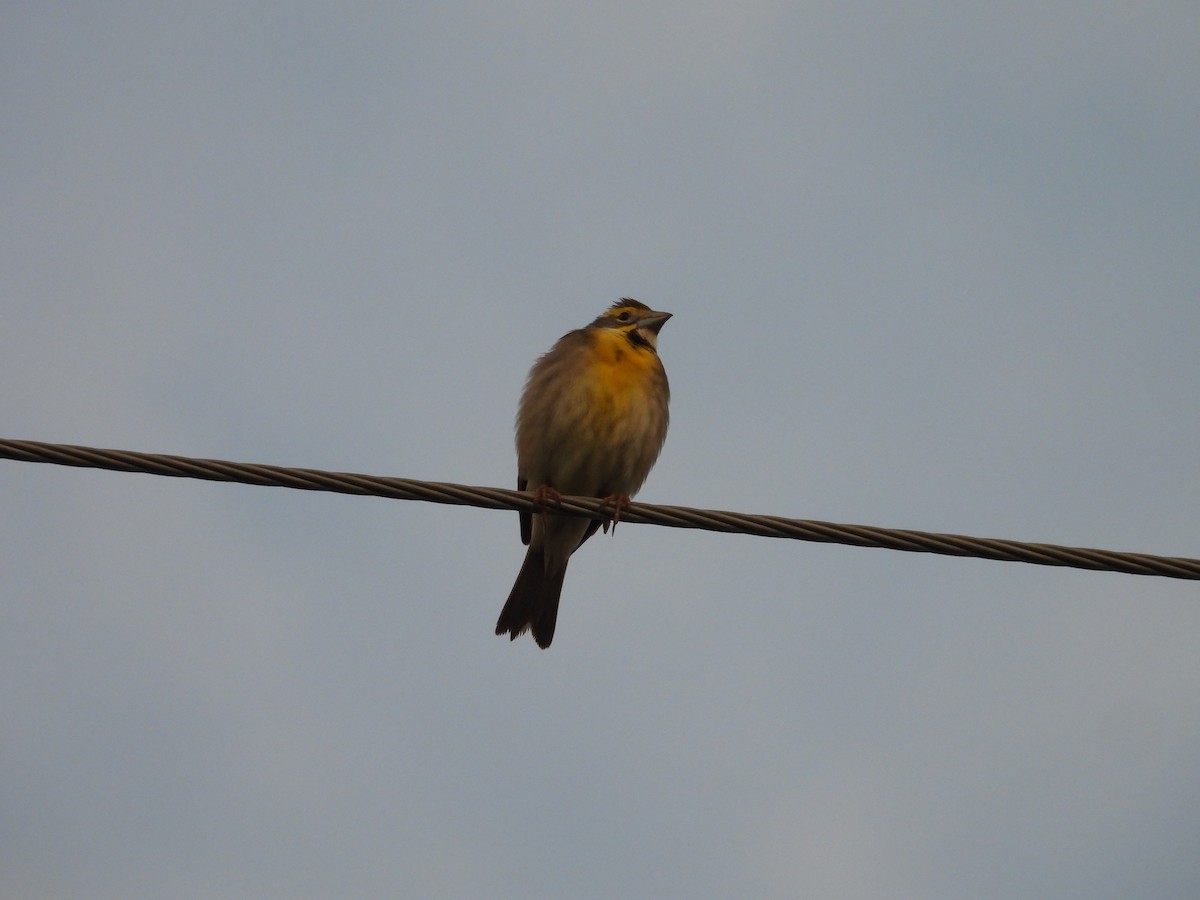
point(544, 496)
point(618, 502)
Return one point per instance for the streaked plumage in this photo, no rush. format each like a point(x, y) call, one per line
point(592, 420)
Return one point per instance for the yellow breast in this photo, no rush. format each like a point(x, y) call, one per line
point(621, 373)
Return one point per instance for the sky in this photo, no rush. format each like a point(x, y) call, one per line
point(932, 266)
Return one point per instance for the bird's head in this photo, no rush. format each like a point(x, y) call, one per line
point(638, 322)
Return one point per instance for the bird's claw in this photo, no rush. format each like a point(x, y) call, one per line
point(618, 502)
point(544, 496)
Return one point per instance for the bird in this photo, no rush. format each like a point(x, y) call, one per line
point(591, 422)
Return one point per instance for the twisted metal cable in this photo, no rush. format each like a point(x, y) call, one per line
point(645, 513)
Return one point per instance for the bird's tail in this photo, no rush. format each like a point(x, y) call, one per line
point(533, 602)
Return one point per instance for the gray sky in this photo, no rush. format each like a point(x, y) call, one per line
point(933, 266)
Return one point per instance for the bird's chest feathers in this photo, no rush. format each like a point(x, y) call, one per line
point(621, 376)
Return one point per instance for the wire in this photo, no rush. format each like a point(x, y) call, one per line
point(645, 513)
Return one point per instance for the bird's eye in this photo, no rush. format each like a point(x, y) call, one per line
point(626, 316)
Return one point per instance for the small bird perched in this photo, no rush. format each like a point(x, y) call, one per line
point(592, 420)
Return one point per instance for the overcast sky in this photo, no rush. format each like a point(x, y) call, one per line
point(932, 266)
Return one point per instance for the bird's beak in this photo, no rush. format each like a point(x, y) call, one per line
point(653, 321)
